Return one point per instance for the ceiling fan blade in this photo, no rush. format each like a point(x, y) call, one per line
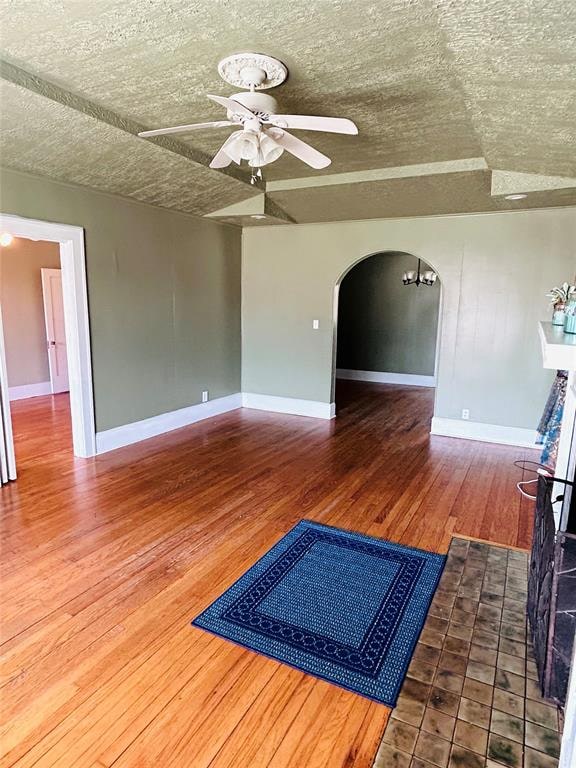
point(185, 128)
point(221, 159)
point(313, 123)
point(300, 149)
point(230, 104)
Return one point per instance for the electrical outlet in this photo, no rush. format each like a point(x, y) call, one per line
point(465, 413)
point(315, 324)
point(205, 396)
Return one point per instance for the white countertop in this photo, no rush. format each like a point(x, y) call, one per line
point(558, 348)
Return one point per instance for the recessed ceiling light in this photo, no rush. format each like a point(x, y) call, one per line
point(258, 216)
point(515, 197)
point(6, 239)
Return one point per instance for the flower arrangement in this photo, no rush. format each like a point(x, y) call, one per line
point(561, 295)
point(559, 299)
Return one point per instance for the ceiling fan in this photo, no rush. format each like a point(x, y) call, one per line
point(262, 136)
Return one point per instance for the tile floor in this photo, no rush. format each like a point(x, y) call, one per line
point(471, 699)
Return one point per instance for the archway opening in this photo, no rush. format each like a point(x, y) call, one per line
point(387, 332)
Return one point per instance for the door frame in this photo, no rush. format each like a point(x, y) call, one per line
point(76, 320)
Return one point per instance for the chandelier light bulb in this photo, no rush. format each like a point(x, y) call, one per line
point(6, 239)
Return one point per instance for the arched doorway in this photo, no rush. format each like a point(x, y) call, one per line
point(386, 332)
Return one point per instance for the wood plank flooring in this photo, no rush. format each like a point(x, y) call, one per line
point(105, 562)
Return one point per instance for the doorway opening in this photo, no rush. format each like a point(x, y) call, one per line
point(45, 364)
point(387, 329)
point(35, 345)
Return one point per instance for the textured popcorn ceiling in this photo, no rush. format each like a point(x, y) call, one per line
point(417, 196)
point(516, 62)
point(40, 136)
point(426, 81)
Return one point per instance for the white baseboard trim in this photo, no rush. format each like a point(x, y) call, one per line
point(24, 391)
point(381, 377)
point(486, 433)
point(291, 405)
point(110, 439)
point(118, 437)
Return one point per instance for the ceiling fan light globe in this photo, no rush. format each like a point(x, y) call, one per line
point(261, 160)
point(269, 149)
point(248, 144)
point(243, 147)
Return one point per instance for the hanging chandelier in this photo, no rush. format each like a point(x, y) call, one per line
point(418, 277)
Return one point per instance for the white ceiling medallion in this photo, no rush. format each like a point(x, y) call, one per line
point(252, 70)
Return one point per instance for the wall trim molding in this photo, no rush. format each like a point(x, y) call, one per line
point(23, 391)
point(382, 377)
point(127, 434)
point(291, 405)
point(486, 433)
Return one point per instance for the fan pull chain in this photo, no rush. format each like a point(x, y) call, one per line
point(256, 175)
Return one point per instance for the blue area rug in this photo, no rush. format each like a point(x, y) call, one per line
point(341, 606)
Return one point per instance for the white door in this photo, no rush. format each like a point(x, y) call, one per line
point(55, 331)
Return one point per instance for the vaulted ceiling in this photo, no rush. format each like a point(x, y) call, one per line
point(447, 95)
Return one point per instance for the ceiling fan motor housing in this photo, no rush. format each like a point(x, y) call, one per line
point(260, 103)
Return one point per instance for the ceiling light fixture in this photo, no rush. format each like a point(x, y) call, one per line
point(419, 278)
point(6, 239)
point(258, 216)
point(515, 197)
point(257, 148)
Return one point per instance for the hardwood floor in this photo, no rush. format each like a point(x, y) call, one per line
point(106, 561)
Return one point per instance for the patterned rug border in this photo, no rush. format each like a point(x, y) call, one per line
point(391, 703)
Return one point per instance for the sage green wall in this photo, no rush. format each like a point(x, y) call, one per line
point(384, 325)
point(163, 292)
point(23, 309)
point(495, 270)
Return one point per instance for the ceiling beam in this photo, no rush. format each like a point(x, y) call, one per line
point(512, 182)
point(252, 206)
point(258, 206)
point(24, 79)
point(380, 174)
